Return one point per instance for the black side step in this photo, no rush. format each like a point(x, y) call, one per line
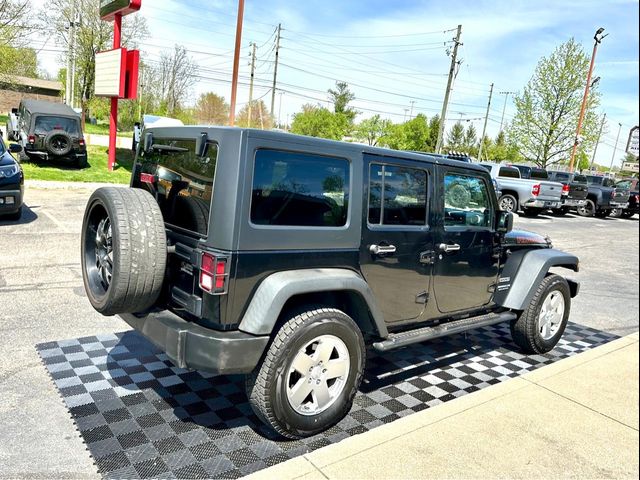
point(397, 340)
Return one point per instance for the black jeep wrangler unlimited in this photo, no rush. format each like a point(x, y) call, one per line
point(48, 131)
point(284, 257)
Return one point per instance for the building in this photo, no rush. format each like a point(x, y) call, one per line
point(13, 89)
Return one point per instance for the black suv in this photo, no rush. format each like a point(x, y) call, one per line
point(284, 257)
point(48, 131)
point(11, 182)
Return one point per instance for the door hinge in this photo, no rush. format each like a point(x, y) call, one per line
point(422, 298)
point(428, 258)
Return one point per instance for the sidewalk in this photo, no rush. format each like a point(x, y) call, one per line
point(575, 418)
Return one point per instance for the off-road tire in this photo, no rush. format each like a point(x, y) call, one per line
point(54, 149)
point(266, 386)
point(588, 209)
point(524, 330)
point(139, 250)
point(508, 196)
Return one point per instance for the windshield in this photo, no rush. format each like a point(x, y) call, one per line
point(181, 181)
point(624, 184)
point(44, 125)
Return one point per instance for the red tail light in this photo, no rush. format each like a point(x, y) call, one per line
point(32, 139)
point(213, 274)
point(81, 142)
point(565, 189)
point(535, 191)
point(613, 194)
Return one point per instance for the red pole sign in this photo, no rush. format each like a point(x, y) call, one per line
point(113, 118)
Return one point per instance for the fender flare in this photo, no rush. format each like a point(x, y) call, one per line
point(274, 292)
point(525, 270)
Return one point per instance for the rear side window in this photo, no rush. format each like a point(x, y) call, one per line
point(539, 174)
point(299, 189)
point(397, 196)
point(509, 172)
point(181, 181)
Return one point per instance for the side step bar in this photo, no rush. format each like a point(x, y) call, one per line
point(397, 340)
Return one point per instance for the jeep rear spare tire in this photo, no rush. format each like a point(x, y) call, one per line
point(58, 143)
point(310, 374)
point(124, 250)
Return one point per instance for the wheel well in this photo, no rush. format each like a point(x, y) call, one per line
point(348, 301)
point(512, 193)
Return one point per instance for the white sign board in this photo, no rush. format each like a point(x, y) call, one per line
point(631, 167)
point(633, 145)
point(110, 67)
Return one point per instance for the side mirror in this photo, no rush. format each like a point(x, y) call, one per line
point(14, 111)
point(148, 142)
point(202, 144)
point(505, 222)
point(15, 148)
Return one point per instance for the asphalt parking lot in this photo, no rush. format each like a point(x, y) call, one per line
point(42, 299)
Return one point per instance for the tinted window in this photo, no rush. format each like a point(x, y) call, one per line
point(595, 180)
point(466, 202)
point(509, 172)
point(539, 174)
point(297, 189)
point(580, 179)
point(561, 177)
point(181, 181)
point(397, 196)
point(45, 125)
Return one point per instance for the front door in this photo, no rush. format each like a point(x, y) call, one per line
point(467, 250)
point(397, 246)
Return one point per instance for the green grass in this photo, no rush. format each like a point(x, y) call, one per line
point(103, 129)
point(4, 119)
point(95, 172)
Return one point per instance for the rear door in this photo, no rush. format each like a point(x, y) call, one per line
point(467, 249)
point(397, 240)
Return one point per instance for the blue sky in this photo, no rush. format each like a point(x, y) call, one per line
point(393, 52)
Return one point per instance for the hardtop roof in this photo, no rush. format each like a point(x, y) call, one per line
point(49, 108)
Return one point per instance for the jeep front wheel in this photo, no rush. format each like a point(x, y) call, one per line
point(540, 326)
point(310, 374)
point(124, 250)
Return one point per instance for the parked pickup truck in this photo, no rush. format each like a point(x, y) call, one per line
point(531, 196)
point(603, 197)
point(574, 191)
point(633, 208)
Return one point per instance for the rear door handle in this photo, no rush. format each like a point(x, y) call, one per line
point(449, 248)
point(382, 249)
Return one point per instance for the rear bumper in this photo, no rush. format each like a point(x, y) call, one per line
point(10, 201)
point(573, 202)
point(542, 204)
point(623, 206)
point(47, 156)
point(192, 346)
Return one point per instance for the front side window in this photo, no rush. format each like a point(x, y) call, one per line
point(466, 202)
point(299, 189)
point(181, 181)
point(46, 124)
point(397, 196)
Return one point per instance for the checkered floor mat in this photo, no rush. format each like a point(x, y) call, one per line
point(142, 417)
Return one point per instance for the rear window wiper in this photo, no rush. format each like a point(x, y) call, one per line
point(169, 148)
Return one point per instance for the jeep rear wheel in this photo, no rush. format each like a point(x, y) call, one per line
point(310, 375)
point(539, 328)
point(124, 251)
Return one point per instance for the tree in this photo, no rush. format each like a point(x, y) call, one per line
point(260, 116)
point(470, 140)
point(411, 135)
point(176, 75)
point(212, 109)
point(432, 139)
point(341, 97)
point(92, 35)
point(455, 137)
point(372, 130)
point(316, 121)
point(15, 57)
point(547, 111)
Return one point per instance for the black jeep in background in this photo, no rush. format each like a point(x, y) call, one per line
point(48, 132)
point(284, 258)
point(574, 192)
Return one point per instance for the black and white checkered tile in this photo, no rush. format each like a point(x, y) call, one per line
point(140, 416)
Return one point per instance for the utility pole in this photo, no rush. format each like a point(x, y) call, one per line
point(236, 64)
point(486, 119)
point(452, 74)
point(595, 149)
point(280, 110)
point(70, 56)
point(504, 110)
point(598, 39)
point(275, 71)
point(413, 103)
point(615, 149)
point(253, 74)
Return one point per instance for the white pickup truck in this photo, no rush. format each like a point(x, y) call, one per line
point(531, 196)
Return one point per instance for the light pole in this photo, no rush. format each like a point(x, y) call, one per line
point(504, 109)
point(615, 149)
point(595, 150)
point(597, 40)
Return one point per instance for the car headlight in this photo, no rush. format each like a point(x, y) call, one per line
point(9, 171)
